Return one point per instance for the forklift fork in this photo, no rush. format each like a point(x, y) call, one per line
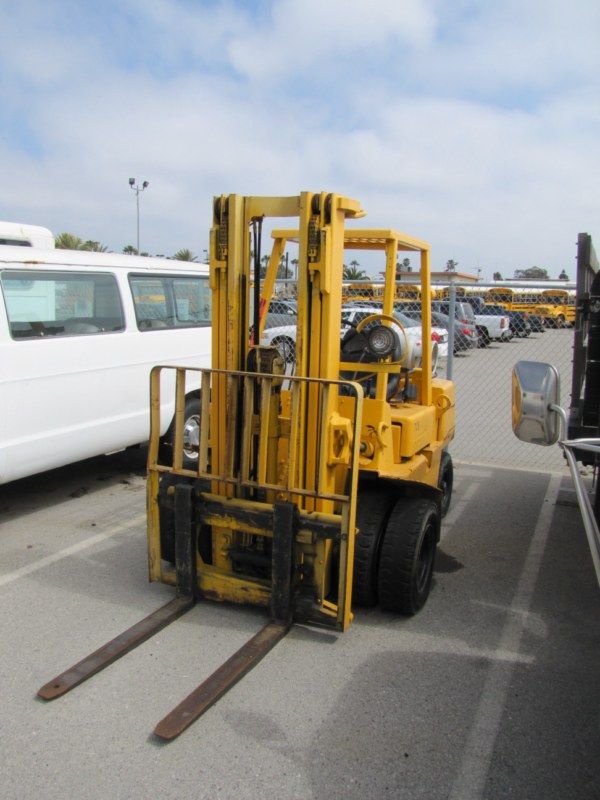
point(241, 662)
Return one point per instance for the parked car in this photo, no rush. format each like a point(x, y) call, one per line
point(284, 336)
point(463, 313)
point(439, 333)
point(281, 312)
point(519, 325)
point(352, 315)
point(537, 323)
point(491, 326)
point(281, 306)
point(464, 338)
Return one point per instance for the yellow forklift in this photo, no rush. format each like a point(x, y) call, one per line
point(313, 486)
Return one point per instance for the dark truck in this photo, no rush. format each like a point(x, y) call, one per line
point(538, 417)
point(584, 411)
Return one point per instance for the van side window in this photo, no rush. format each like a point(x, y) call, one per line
point(177, 301)
point(41, 304)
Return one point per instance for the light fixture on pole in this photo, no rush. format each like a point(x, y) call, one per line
point(137, 189)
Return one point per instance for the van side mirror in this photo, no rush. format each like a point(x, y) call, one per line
point(535, 388)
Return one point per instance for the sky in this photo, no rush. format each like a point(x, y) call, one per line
point(474, 125)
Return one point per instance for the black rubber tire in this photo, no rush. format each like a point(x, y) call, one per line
point(373, 509)
point(446, 481)
point(483, 338)
point(408, 555)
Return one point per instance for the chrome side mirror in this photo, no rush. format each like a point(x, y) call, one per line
point(535, 395)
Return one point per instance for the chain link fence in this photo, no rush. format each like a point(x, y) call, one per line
point(478, 334)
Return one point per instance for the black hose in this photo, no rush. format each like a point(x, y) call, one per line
point(256, 245)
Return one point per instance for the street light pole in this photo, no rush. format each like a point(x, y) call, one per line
point(137, 189)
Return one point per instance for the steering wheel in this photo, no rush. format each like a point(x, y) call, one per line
point(388, 318)
point(399, 355)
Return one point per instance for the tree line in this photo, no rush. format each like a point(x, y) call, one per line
point(288, 267)
point(68, 241)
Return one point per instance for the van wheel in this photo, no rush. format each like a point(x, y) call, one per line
point(373, 509)
point(445, 481)
point(408, 555)
point(191, 435)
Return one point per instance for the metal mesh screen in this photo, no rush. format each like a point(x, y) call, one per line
point(490, 329)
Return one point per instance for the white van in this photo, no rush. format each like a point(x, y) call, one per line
point(79, 334)
point(14, 233)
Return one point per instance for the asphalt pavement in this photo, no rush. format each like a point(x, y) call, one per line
point(491, 691)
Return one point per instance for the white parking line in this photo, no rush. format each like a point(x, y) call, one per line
point(465, 470)
point(470, 781)
point(69, 551)
point(458, 506)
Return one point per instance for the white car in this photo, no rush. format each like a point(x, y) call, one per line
point(284, 336)
point(352, 316)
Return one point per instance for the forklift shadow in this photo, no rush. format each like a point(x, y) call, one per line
point(392, 731)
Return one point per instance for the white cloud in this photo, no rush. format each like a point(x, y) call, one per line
point(540, 45)
point(492, 182)
point(308, 34)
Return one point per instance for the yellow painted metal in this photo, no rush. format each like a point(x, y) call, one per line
point(266, 438)
point(152, 515)
point(266, 289)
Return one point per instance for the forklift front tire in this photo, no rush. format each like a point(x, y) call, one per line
point(372, 511)
point(408, 555)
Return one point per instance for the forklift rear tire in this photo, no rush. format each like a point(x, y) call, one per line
point(408, 555)
point(445, 481)
point(372, 511)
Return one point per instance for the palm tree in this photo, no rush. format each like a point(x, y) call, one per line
point(130, 250)
point(68, 241)
point(185, 255)
point(352, 273)
point(451, 265)
point(402, 266)
point(93, 247)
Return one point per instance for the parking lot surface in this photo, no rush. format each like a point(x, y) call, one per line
point(490, 692)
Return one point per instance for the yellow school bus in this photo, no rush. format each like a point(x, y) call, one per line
point(526, 301)
point(562, 305)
